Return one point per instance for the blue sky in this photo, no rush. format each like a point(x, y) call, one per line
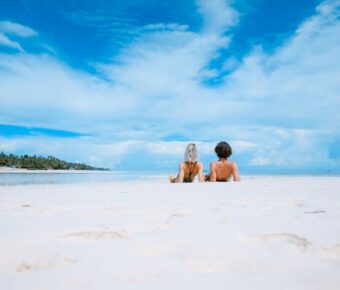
point(127, 84)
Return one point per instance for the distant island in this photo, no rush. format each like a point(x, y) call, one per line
point(41, 163)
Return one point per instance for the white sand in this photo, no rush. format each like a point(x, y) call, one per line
point(265, 233)
point(5, 169)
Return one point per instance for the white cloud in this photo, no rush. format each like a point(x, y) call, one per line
point(5, 41)
point(54, 95)
point(90, 150)
point(8, 28)
point(16, 29)
point(218, 15)
point(165, 26)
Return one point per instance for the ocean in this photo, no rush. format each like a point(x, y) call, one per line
point(65, 177)
point(22, 178)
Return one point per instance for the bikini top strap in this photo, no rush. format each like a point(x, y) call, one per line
point(191, 169)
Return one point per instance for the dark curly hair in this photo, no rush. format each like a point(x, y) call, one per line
point(223, 150)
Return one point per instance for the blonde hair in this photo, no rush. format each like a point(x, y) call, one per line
point(191, 153)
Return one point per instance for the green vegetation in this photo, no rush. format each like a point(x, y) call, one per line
point(39, 162)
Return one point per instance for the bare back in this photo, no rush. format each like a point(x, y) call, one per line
point(188, 171)
point(222, 170)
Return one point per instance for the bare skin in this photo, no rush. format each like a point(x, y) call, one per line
point(222, 170)
point(184, 172)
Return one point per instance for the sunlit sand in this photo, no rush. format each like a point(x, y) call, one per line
point(263, 233)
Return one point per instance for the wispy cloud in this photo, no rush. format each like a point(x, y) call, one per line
point(218, 15)
point(11, 29)
point(106, 24)
point(5, 41)
point(16, 29)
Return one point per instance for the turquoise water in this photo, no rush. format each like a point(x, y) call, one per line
point(16, 178)
point(83, 177)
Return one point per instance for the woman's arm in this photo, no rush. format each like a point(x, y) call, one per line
point(200, 172)
point(235, 174)
point(180, 176)
point(212, 172)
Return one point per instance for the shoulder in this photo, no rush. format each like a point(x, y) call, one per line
point(233, 164)
point(182, 164)
point(212, 164)
point(199, 164)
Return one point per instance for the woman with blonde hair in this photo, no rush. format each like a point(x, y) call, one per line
point(190, 167)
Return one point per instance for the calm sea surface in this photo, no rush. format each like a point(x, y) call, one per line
point(72, 177)
point(16, 178)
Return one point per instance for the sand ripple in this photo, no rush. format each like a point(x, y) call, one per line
point(293, 239)
point(97, 235)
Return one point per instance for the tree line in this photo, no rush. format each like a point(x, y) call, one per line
point(38, 162)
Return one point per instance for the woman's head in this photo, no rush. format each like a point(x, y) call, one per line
point(223, 150)
point(191, 154)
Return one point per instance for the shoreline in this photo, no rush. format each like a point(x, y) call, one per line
point(244, 174)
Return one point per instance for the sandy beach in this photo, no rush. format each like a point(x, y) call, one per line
point(265, 233)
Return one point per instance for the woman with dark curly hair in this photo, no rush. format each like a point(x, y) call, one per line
point(190, 167)
point(223, 169)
